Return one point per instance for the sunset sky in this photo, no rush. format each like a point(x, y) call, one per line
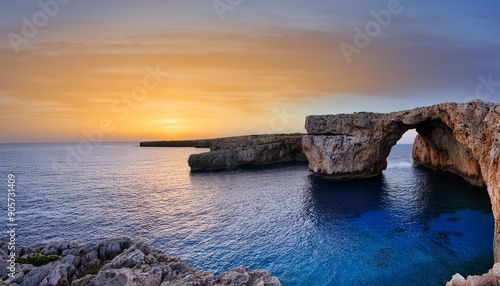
point(160, 70)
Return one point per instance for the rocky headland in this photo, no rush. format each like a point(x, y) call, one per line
point(462, 138)
point(232, 152)
point(112, 262)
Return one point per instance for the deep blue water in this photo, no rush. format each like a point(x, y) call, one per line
point(410, 225)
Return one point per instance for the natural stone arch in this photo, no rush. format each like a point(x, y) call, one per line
point(460, 138)
point(436, 147)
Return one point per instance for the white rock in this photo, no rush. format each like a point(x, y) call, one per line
point(496, 270)
point(457, 280)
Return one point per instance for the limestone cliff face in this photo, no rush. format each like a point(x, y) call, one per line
point(232, 152)
point(463, 138)
point(451, 157)
point(335, 156)
point(242, 142)
point(225, 142)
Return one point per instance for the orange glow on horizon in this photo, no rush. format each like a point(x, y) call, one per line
point(176, 71)
point(170, 95)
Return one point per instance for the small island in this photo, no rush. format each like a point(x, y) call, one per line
point(230, 153)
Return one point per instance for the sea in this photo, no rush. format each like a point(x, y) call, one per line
point(409, 226)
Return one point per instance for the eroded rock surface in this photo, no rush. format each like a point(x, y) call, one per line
point(119, 262)
point(463, 138)
point(492, 278)
point(232, 152)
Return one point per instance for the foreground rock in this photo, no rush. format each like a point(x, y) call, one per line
point(491, 278)
point(463, 138)
point(232, 152)
point(118, 262)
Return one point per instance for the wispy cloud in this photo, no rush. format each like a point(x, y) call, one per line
point(262, 58)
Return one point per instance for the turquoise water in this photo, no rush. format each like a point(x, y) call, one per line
point(408, 226)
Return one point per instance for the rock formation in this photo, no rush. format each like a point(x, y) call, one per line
point(118, 262)
point(232, 152)
point(490, 278)
point(463, 138)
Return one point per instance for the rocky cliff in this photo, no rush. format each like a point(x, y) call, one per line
point(232, 152)
point(463, 138)
point(115, 262)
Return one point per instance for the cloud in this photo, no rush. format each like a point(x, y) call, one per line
point(243, 67)
point(244, 70)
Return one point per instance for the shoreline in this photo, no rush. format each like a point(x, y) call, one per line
point(229, 153)
point(116, 261)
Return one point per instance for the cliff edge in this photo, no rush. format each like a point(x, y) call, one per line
point(463, 138)
point(229, 153)
point(232, 152)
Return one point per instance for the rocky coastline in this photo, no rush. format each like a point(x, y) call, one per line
point(453, 137)
point(118, 261)
point(461, 138)
point(491, 278)
point(232, 152)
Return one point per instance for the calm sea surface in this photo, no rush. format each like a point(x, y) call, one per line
point(410, 226)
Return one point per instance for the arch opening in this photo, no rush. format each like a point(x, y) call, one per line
point(436, 147)
point(408, 137)
point(462, 138)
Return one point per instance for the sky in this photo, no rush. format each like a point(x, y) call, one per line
point(73, 70)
